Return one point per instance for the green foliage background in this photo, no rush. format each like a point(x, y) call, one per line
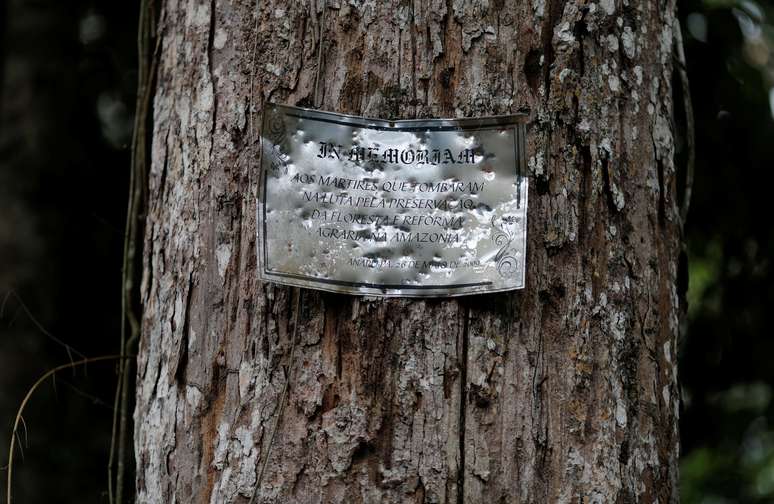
point(727, 354)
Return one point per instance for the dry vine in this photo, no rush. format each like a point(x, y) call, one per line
point(147, 63)
point(690, 128)
point(20, 411)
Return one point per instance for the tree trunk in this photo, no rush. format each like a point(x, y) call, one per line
point(565, 391)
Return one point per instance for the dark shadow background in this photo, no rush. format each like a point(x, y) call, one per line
point(67, 86)
point(68, 78)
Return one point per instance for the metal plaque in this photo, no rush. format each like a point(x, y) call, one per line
point(419, 208)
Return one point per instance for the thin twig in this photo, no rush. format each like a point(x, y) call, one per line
point(95, 400)
point(21, 444)
point(111, 456)
point(26, 433)
point(12, 294)
point(281, 405)
point(14, 432)
point(690, 127)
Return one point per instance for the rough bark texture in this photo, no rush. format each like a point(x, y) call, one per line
point(563, 392)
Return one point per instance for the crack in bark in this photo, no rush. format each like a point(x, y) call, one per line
point(182, 359)
point(463, 377)
point(320, 43)
point(211, 69)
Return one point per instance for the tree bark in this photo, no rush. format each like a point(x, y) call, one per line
point(565, 391)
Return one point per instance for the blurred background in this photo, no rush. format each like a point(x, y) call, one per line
point(67, 91)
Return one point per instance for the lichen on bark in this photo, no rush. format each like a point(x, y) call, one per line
point(565, 391)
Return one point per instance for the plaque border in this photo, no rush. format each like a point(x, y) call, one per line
point(516, 122)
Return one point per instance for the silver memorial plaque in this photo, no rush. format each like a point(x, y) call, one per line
point(419, 208)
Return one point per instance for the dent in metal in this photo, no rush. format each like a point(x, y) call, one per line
point(417, 208)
